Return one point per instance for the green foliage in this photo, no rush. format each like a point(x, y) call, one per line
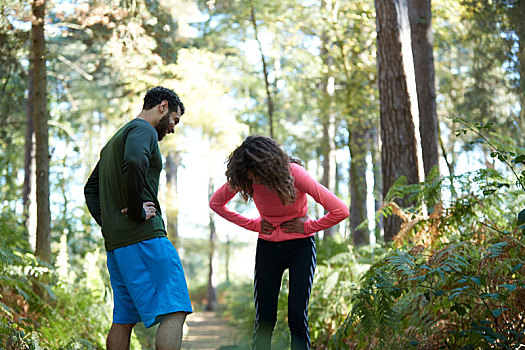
point(236, 305)
point(39, 311)
point(338, 270)
point(17, 266)
point(455, 279)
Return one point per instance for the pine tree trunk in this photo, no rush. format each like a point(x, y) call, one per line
point(420, 15)
point(327, 114)
point(43, 226)
point(358, 186)
point(28, 154)
point(378, 180)
point(210, 295)
point(399, 144)
point(173, 161)
point(329, 163)
point(520, 31)
point(265, 69)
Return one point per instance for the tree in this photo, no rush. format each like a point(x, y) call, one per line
point(420, 16)
point(264, 68)
point(173, 161)
point(13, 85)
point(348, 32)
point(327, 118)
point(210, 292)
point(38, 60)
point(398, 112)
point(28, 154)
point(358, 188)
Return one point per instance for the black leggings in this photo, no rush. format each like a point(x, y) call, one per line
point(299, 256)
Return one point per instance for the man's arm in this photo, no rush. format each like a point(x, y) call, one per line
point(91, 193)
point(137, 155)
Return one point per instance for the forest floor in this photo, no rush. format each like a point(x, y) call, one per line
point(206, 331)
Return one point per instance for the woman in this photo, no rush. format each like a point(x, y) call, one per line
point(278, 184)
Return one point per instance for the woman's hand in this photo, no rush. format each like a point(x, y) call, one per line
point(295, 225)
point(149, 209)
point(266, 227)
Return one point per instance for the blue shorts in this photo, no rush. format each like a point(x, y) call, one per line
point(148, 282)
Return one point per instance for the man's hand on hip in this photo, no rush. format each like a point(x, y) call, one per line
point(149, 209)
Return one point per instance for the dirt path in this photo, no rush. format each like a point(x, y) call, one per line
point(208, 332)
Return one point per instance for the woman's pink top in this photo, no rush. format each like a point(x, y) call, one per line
point(273, 211)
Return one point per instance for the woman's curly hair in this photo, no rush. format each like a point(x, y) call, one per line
point(263, 157)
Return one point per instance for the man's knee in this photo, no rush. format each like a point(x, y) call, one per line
point(119, 336)
point(169, 334)
point(176, 317)
point(122, 328)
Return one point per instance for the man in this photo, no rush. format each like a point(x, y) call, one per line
point(146, 274)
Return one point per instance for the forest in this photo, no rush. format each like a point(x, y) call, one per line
point(410, 111)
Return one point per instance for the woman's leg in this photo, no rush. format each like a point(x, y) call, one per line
point(267, 283)
point(302, 268)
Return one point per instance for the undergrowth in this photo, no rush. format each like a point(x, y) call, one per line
point(42, 309)
point(452, 279)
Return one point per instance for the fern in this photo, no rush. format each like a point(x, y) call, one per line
point(459, 287)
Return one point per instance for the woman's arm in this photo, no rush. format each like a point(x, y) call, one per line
point(218, 203)
point(336, 209)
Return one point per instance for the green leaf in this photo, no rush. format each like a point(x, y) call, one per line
point(454, 295)
point(490, 295)
point(460, 310)
point(517, 267)
point(510, 287)
point(497, 312)
point(519, 159)
point(438, 292)
point(476, 280)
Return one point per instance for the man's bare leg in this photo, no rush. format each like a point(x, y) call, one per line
point(119, 336)
point(169, 334)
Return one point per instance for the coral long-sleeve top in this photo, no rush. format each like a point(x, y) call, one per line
point(272, 210)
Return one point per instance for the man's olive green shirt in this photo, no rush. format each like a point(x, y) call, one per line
point(126, 176)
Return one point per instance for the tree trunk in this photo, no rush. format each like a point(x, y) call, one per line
point(398, 101)
point(358, 188)
point(420, 15)
point(519, 25)
point(173, 161)
point(265, 70)
point(327, 111)
point(210, 295)
point(378, 181)
point(43, 226)
point(329, 163)
point(28, 155)
point(228, 253)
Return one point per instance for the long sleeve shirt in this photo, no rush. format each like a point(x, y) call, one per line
point(126, 176)
point(272, 210)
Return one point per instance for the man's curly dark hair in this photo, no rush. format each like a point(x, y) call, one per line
point(156, 95)
point(264, 158)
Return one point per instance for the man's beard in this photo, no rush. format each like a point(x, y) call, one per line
point(163, 126)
